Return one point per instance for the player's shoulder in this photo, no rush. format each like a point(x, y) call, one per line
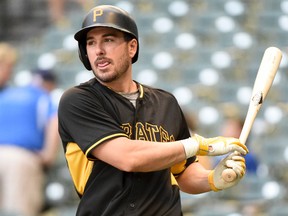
point(157, 91)
point(78, 92)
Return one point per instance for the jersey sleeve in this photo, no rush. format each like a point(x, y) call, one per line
point(83, 120)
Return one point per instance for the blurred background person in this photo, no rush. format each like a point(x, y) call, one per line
point(29, 140)
point(58, 12)
point(47, 79)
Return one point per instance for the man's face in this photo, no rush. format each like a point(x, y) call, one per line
point(109, 54)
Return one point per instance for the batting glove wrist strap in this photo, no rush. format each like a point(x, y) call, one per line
point(211, 182)
point(196, 145)
point(191, 147)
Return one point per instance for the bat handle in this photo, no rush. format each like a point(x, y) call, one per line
point(229, 175)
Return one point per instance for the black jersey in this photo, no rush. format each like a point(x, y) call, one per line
point(90, 114)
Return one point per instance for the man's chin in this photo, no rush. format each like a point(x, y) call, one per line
point(105, 80)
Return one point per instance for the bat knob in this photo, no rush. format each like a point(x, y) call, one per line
point(229, 175)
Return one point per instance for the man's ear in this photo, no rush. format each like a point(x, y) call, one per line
point(132, 46)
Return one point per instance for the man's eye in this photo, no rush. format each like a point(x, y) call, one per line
point(108, 40)
point(90, 43)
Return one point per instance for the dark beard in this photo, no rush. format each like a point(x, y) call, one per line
point(118, 72)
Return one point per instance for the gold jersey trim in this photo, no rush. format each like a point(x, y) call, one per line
point(79, 166)
point(173, 180)
point(104, 139)
point(141, 91)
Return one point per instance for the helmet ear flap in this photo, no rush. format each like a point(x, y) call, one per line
point(83, 57)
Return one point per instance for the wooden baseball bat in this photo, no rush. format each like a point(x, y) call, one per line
point(264, 79)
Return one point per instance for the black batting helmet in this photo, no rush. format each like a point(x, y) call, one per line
point(105, 16)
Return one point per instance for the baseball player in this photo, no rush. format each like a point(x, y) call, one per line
point(127, 145)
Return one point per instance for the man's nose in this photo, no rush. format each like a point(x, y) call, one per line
point(99, 49)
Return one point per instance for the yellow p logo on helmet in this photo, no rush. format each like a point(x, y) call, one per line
point(97, 12)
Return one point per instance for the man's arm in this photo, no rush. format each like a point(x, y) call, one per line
point(144, 156)
point(194, 179)
point(139, 156)
point(50, 149)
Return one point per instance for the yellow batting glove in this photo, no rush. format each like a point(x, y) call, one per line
point(198, 145)
point(233, 161)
